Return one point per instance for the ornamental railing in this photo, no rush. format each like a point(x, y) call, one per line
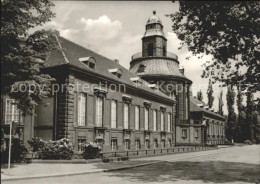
point(168, 54)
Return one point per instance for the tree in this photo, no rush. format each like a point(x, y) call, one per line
point(249, 124)
point(231, 120)
point(199, 95)
point(220, 103)
point(210, 94)
point(23, 51)
point(229, 31)
point(240, 133)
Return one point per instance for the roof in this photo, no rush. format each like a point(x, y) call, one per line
point(158, 66)
point(194, 107)
point(154, 32)
point(71, 52)
point(154, 19)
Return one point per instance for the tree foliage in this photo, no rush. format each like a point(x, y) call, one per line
point(231, 120)
point(210, 95)
point(199, 95)
point(229, 31)
point(220, 103)
point(23, 51)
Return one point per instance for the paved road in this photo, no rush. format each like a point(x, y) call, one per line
point(228, 165)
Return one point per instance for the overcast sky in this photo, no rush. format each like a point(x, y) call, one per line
point(114, 29)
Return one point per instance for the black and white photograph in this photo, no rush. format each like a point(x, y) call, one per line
point(133, 92)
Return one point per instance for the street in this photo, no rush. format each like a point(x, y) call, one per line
point(226, 165)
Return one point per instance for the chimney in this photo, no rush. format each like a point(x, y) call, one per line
point(116, 61)
point(181, 69)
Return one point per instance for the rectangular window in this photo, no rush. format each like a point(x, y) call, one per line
point(137, 117)
point(147, 144)
point(81, 145)
point(99, 112)
point(162, 121)
point(196, 133)
point(146, 118)
point(126, 116)
point(184, 133)
point(155, 143)
point(113, 113)
point(154, 120)
point(170, 143)
point(169, 122)
point(100, 143)
point(163, 143)
point(113, 144)
point(137, 144)
point(11, 112)
point(82, 109)
point(127, 144)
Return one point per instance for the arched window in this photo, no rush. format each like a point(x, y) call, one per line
point(164, 51)
point(150, 49)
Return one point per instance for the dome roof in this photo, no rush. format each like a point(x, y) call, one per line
point(154, 19)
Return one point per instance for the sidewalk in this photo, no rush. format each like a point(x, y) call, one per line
point(41, 170)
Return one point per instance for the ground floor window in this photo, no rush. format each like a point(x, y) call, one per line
point(11, 112)
point(147, 144)
point(184, 133)
point(155, 143)
point(196, 133)
point(81, 145)
point(137, 144)
point(100, 143)
point(127, 144)
point(170, 143)
point(113, 144)
point(163, 143)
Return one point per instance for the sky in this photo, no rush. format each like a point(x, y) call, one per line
point(115, 28)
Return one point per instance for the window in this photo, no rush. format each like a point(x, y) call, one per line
point(100, 143)
point(88, 61)
point(196, 122)
point(163, 143)
point(99, 111)
point(113, 144)
point(170, 143)
point(146, 118)
point(162, 121)
point(147, 144)
point(137, 117)
point(137, 144)
point(169, 122)
point(81, 145)
point(127, 144)
point(81, 109)
point(155, 143)
point(184, 133)
point(141, 68)
point(154, 120)
point(116, 72)
point(164, 50)
point(113, 113)
point(150, 49)
point(196, 133)
point(126, 116)
point(11, 112)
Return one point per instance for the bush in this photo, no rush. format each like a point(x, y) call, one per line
point(57, 150)
point(36, 144)
point(106, 158)
point(91, 151)
point(248, 142)
point(18, 152)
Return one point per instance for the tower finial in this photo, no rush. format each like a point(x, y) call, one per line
point(154, 12)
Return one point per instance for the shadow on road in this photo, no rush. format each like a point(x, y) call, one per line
point(217, 172)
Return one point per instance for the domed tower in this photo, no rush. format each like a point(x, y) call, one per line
point(157, 66)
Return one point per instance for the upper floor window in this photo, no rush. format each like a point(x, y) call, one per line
point(146, 118)
point(82, 109)
point(154, 120)
point(137, 117)
point(164, 51)
point(150, 49)
point(162, 121)
point(141, 68)
point(113, 113)
point(88, 61)
point(184, 133)
point(99, 111)
point(12, 113)
point(126, 116)
point(169, 122)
